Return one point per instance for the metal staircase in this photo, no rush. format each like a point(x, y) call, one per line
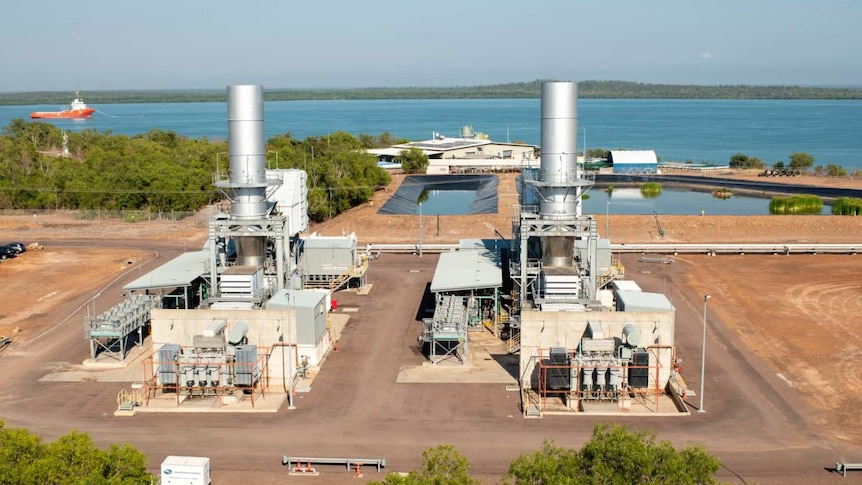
point(513, 344)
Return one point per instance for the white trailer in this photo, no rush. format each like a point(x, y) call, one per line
point(186, 470)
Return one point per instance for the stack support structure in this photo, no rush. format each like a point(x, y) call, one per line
point(253, 221)
point(545, 235)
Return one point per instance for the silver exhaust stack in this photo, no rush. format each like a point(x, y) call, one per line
point(247, 167)
point(559, 169)
point(558, 184)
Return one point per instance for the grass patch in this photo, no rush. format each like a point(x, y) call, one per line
point(847, 206)
point(797, 204)
point(722, 193)
point(651, 190)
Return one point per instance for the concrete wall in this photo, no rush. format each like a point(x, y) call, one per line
point(542, 330)
point(266, 328)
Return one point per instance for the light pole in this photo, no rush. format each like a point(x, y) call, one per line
point(706, 298)
point(94, 303)
point(396, 196)
point(607, 220)
point(420, 229)
point(276, 156)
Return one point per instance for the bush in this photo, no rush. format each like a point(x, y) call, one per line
point(801, 160)
point(651, 190)
point(615, 455)
point(847, 206)
point(413, 160)
point(741, 160)
point(72, 459)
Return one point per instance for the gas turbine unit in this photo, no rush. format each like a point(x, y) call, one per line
point(547, 270)
point(250, 255)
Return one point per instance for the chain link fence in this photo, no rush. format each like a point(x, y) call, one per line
point(200, 217)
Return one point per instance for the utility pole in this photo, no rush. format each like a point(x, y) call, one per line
point(706, 298)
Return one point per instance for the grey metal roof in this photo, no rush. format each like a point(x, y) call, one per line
point(295, 299)
point(466, 270)
point(329, 242)
point(180, 271)
point(493, 245)
point(641, 301)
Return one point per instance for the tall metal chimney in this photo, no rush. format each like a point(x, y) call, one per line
point(558, 184)
point(247, 167)
point(559, 168)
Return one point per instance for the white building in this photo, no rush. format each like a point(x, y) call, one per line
point(469, 153)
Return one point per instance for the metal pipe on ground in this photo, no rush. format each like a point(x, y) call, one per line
point(348, 462)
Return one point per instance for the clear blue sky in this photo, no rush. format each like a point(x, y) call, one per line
point(63, 45)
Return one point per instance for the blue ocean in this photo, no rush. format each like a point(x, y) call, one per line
point(678, 130)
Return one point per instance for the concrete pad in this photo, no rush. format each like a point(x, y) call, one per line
point(236, 402)
point(337, 322)
point(641, 406)
point(104, 369)
point(488, 364)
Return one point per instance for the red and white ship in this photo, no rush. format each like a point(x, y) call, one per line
point(77, 110)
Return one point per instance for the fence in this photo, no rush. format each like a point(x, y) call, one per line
point(201, 217)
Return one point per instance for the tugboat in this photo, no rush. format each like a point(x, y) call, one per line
point(77, 110)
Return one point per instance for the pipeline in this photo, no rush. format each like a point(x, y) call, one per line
point(288, 390)
point(378, 462)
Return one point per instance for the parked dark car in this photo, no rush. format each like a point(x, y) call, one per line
point(18, 247)
point(7, 252)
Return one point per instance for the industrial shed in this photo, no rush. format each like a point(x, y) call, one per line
point(641, 301)
point(179, 282)
point(312, 331)
point(330, 262)
point(466, 270)
point(466, 288)
point(633, 161)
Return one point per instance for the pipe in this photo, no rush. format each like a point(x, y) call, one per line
point(378, 462)
point(284, 378)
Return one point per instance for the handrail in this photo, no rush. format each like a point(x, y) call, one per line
point(666, 248)
point(737, 248)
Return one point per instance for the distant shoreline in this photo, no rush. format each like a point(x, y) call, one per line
point(520, 90)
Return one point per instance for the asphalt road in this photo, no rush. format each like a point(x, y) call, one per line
point(758, 426)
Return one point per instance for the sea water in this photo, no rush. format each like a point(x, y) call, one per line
point(708, 131)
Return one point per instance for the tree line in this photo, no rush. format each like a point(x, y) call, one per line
point(71, 460)
point(801, 161)
point(529, 89)
point(161, 171)
point(614, 455)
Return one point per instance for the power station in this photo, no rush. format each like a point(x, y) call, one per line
point(249, 313)
point(587, 340)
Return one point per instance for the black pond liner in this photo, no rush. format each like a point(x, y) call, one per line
point(404, 200)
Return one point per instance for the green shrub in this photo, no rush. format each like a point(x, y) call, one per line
point(651, 190)
point(847, 206)
point(797, 204)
